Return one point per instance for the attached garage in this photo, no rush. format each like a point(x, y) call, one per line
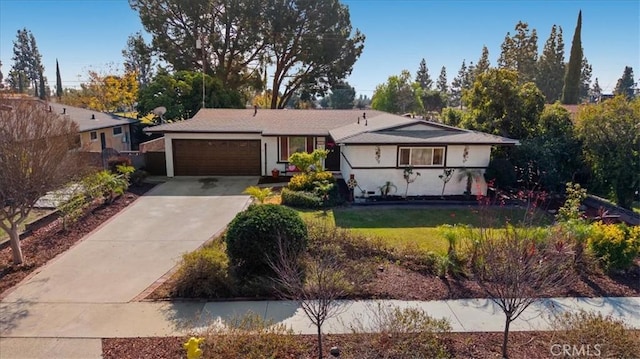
point(195, 157)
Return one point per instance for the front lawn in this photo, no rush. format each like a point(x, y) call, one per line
point(402, 227)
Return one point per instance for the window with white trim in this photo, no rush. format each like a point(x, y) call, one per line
point(291, 145)
point(421, 156)
point(117, 131)
point(94, 135)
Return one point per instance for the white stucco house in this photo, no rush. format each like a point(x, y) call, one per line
point(373, 146)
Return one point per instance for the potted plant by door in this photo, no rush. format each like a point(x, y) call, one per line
point(275, 173)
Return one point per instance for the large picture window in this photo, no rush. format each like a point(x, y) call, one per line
point(291, 145)
point(421, 156)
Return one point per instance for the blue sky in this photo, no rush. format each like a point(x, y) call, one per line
point(90, 34)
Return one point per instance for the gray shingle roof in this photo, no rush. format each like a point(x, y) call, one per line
point(429, 137)
point(342, 125)
point(83, 117)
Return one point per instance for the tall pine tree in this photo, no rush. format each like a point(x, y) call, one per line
point(27, 63)
point(596, 92)
point(58, 81)
point(625, 84)
point(442, 85)
point(483, 64)
point(585, 80)
point(520, 52)
point(422, 76)
point(458, 85)
point(571, 89)
point(550, 67)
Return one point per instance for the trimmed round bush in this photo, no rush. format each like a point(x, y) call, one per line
point(253, 236)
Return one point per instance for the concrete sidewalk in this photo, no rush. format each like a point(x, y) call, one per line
point(148, 319)
point(74, 330)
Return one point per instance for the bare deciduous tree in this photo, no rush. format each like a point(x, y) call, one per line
point(316, 282)
point(516, 269)
point(35, 157)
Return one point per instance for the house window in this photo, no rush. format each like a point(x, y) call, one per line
point(421, 156)
point(94, 135)
point(291, 145)
point(117, 131)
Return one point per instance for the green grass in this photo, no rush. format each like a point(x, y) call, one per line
point(413, 227)
point(34, 214)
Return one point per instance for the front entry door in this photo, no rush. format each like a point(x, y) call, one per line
point(332, 162)
point(103, 141)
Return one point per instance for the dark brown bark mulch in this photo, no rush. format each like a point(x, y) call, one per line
point(529, 345)
point(47, 242)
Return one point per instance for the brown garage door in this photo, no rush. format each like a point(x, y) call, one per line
point(216, 157)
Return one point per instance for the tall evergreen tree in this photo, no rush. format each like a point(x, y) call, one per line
point(458, 85)
point(625, 84)
point(442, 85)
point(1, 77)
point(550, 67)
point(596, 92)
point(571, 89)
point(422, 76)
point(58, 81)
point(138, 57)
point(483, 64)
point(520, 52)
point(27, 62)
point(585, 80)
point(43, 91)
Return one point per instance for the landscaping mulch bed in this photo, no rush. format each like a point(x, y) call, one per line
point(398, 282)
point(45, 243)
point(529, 345)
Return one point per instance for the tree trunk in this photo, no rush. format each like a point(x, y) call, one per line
point(506, 338)
point(14, 241)
point(319, 342)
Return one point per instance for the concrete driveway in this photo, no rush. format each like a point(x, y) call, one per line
point(135, 248)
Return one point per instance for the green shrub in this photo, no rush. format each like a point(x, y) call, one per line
point(308, 162)
point(300, 199)
point(204, 273)
point(254, 236)
point(614, 245)
point(138, 177)
point(250, 337)
point(612, 337)
point(403, 333)
point(105, 185)
point(259, 194)
point(115, 161)
point(306, 181)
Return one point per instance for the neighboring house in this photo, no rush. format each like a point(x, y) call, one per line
point(373, 146)
point(98, 130)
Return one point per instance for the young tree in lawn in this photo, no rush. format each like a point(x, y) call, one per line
point(35, 158)
point(571, 89)
point(515, 270)
point(317, 284)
